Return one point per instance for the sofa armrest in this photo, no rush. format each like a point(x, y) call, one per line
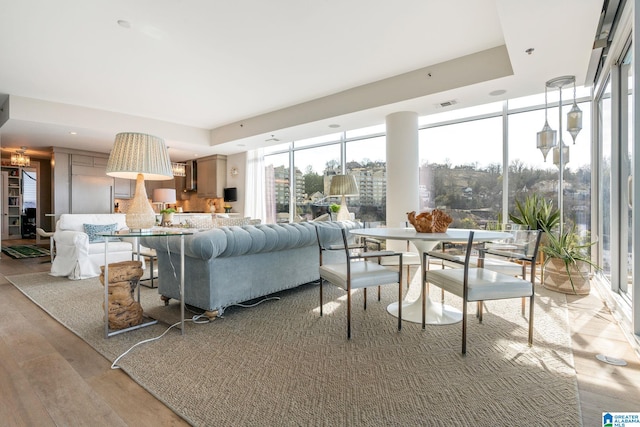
point(70, 237)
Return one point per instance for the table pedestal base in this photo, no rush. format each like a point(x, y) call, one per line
point(436, 314)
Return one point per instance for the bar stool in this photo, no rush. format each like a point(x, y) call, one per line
point(48, 234)
point(152, 256)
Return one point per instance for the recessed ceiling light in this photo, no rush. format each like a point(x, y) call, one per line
point(529, 51)
point(73, 133)
point(242, 145)
point(497, 92)
point(124, 24)
point(334, 125)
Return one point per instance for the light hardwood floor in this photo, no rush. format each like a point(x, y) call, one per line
point(48, 376)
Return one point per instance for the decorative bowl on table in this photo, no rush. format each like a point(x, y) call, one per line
point(436, 221)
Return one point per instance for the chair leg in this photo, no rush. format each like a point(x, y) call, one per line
point(399, 299)
point(321, 304)
point(531, 321)
point(400, 306)
point(379, 292)
point(480, 310)
point(524, 276)
point(364, 294)
point(349, 313)
point(424, 297)
point(464, 327)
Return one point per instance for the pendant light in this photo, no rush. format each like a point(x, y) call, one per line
point(546, 138)
point(574, 117)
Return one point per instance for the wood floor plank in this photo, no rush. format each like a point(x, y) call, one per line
point(21, 406)
point(68, 399)
point(127, 397)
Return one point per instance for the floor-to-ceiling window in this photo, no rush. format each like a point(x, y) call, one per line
point(626, 170)
point(617, 112)
point(461, 170)
point(366, 160)
point(313, 169)
point(307, 181)
point(469, 158)
point(605, 120)
point(277, 184)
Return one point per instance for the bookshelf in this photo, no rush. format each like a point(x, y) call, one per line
point(12, 212)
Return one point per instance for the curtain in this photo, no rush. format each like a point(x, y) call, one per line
point(254, 203)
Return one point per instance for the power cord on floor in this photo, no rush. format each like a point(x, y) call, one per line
point(254, 304)
point(197, 319)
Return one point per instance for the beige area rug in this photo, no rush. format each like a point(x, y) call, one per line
point(279, 363)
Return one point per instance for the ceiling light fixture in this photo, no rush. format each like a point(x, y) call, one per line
point(179, 169)
point(20, 159)
point(546, 138)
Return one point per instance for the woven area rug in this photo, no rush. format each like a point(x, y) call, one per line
point(25, 251)
point(279, 363)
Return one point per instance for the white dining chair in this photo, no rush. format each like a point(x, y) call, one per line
point(358, 271)
point(477, 284)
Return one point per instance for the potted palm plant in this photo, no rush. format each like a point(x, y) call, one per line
point(567, 262)
point(536, 213)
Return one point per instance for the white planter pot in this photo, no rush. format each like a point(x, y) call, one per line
point(167, 218)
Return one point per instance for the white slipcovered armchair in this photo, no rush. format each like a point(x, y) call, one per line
point(79, 255)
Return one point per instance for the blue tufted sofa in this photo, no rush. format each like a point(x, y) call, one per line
point(230, 265)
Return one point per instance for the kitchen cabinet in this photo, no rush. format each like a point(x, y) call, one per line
point(92, 191)
point(181, 185)
point(212, 176)
point(124, 188)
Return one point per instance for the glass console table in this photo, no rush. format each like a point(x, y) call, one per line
point(161, 233)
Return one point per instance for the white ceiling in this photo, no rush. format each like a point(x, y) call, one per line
point(223, 76)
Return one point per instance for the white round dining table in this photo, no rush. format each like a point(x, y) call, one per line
point(436, 313)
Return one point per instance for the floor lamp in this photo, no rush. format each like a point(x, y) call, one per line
point(343, 185)
point(139, 156)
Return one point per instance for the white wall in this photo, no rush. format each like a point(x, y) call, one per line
point(238, 161)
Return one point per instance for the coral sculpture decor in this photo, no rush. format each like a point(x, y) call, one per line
point(436, 221)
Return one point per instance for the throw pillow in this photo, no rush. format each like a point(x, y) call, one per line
point(203, 222)
point(228, 222)
point(92, 231)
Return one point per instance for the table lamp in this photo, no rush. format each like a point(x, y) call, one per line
point(139, 156)
point(164, 196)
point(343, 185)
